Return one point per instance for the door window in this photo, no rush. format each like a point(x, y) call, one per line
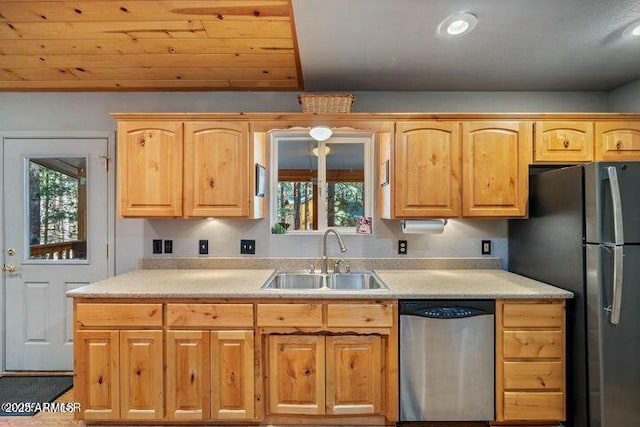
point(56, 208)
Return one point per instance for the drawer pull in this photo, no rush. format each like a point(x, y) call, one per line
point(565, 143)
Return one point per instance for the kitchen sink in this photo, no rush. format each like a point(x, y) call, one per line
point(297, 280)
point(365, 280)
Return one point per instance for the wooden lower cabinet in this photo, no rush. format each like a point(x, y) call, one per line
point(96, 383)
point(141, 384)
point(333, 375)
point(213, 361)
point(187, 375)
point(530, 361)
point(354, 375)
point(296, 374)
point(119, 374)
point(210, 375)
point(232, 375)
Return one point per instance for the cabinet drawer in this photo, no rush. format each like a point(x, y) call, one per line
point(360, 315)
point(203, 315)
point(563, 141)
point(534, 406)
point(118, 315)
point(532, 375)
point(290, 315)
point(532, 344)
point(532, 315)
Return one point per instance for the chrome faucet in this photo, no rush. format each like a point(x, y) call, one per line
point(324, 261)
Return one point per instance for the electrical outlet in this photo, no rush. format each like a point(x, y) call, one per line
point(157, 246)
point(168, 246)
point(248, 247)
point(203, 247)
point(486, 247)
point(402, 247)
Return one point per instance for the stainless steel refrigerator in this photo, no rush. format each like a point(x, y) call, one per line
point(583, 235)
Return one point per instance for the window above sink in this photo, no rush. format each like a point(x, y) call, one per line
point(317, 185)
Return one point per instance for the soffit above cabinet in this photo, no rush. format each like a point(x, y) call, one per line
point(148, 45)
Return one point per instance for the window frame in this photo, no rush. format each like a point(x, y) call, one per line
point(367, 139)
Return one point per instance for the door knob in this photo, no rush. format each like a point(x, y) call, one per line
point(11, 252)
point(9, 268)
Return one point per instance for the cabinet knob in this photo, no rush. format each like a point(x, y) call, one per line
point(212, 183)
point(142, 142)
point(565, 143)
point(618, 145)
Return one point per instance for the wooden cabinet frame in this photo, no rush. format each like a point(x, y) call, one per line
point(379, 340)
point(530, 361)
point(189, 350)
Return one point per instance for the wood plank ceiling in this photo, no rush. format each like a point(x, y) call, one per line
point(124, 45)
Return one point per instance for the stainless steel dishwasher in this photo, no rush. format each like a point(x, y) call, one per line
point(447, 360)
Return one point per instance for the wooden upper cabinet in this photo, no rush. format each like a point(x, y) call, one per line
point(618, 141)
point(296, 374)
point(150, 168)
point(216, 169)
point(427, 169)
point(495, 168)
point(559, 141)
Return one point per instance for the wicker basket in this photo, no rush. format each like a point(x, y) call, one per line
point(326, 103)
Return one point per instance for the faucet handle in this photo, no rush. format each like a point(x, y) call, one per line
point(347, 268)
point(336, 266)
point(312, 267)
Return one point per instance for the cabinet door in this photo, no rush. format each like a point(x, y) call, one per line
point(187, 375)
point(495, 168)
point(427, 181)
point(567, 142)
point(618, 141)
point(150, 168)
point(96, 381)
point(296, 374)
point(216, 169)
point(141, 375)
point(232, 378)
point(354, 375)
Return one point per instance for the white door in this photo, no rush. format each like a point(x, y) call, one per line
point(56, 235)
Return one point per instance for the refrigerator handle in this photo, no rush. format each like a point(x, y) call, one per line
point(614, 185)
point(614, 308)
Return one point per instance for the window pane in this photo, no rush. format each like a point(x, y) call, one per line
point(345, 184)
point(57, 208)
point(297, 186)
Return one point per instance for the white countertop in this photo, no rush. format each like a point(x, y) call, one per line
point(403, 284)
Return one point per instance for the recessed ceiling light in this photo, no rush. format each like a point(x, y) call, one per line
point(320, 133)
point(632, 30)
point(458, 24)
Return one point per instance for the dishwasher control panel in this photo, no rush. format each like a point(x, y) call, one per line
point(446, 309)
point(450, 312)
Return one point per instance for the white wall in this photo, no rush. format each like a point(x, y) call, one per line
point(626, 99)
point(90, 112)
